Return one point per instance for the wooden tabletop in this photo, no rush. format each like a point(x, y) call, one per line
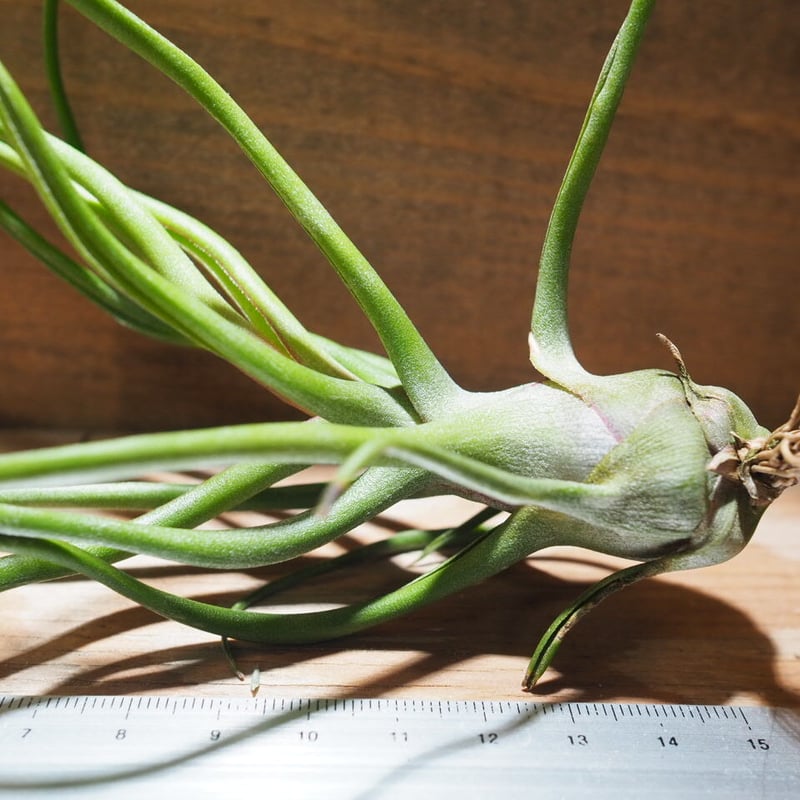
point(724, 635)
point(437, 136)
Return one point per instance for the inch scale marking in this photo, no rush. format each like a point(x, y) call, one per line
point(199, 747)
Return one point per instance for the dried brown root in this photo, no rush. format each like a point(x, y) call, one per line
point(766, 465)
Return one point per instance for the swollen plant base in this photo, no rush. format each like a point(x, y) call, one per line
point(648, 465)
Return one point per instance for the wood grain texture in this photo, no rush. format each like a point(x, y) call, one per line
point(437, 133)
point(728, 634)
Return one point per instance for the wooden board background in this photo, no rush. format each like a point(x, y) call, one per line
point(437, 131)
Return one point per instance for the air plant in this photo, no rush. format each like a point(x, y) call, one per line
point(648, 465)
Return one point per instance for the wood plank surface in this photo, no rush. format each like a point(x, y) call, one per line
point(437, 132)
point(724, 635)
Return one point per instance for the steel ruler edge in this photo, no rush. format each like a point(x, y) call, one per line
point(90, 746)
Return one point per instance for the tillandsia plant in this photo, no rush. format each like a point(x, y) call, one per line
point(649, 465)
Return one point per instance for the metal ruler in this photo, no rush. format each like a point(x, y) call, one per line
point(280, 748)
